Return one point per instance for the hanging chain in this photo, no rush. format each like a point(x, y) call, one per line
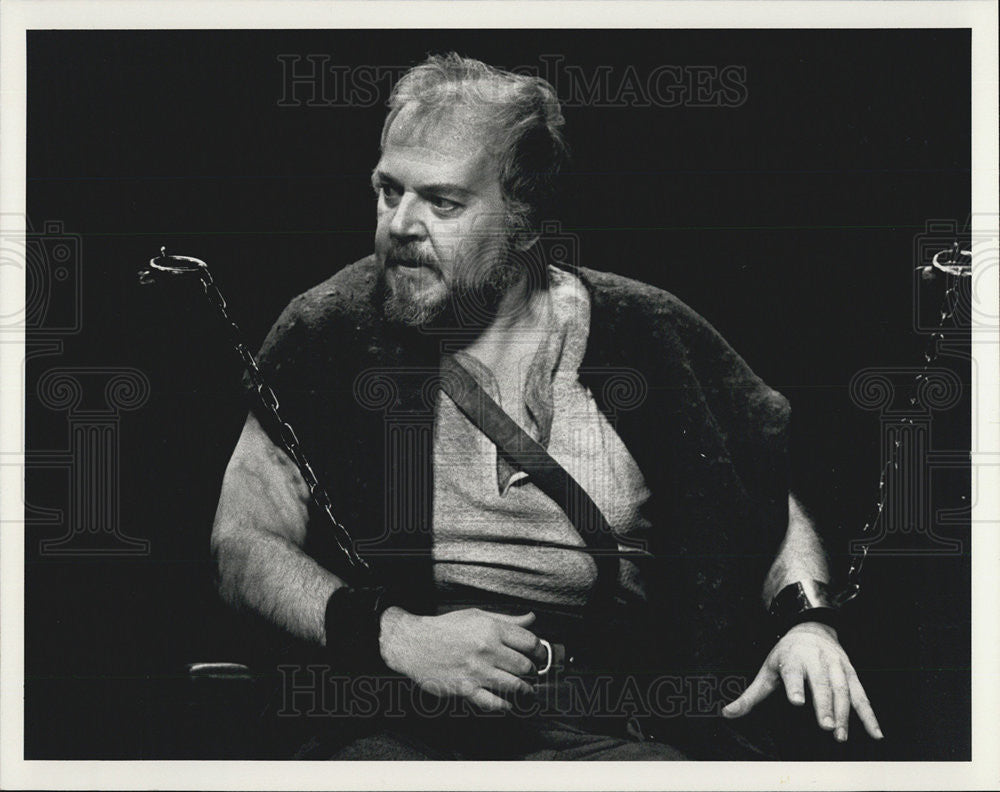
point(183, 265)
point(954, 268)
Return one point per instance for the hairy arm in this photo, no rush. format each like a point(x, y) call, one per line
point(257, 538)
point(809, 654)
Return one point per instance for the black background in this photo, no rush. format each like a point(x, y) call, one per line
point(789, 222)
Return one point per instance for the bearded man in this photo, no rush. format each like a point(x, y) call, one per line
point(563, 477)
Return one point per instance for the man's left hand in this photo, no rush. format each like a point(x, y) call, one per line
point(810, 651)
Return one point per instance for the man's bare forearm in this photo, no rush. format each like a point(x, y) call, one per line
point(267, 575)
point(257, 540)
point(800, 557)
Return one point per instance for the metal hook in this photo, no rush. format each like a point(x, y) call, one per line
point(952, 266)
point(171, 265)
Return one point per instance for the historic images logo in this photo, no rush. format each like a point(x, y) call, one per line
point(315, 691)
point(317, 80)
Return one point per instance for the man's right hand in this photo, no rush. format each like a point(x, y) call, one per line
point(470, 653)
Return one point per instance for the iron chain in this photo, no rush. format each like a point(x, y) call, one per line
point(931, 352)
point(286, 434)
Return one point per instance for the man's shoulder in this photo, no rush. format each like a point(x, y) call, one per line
point(621, 300)
point(666, 331)
point(624, 307)
point(349, 295)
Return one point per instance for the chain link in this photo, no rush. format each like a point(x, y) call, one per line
point(286, 434)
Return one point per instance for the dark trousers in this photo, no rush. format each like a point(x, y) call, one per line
point(549, 724)
point(536, 739)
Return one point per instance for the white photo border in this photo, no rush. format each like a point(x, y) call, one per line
point(983, 772)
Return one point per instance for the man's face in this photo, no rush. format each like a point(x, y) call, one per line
point(441, 235)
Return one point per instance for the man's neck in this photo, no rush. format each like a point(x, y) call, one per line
point(512, 338)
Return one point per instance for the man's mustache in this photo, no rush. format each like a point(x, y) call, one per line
point(410, 256)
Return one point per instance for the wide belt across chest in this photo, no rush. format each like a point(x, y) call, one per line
point(543, 471)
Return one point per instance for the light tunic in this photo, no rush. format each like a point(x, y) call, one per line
point(496, 531)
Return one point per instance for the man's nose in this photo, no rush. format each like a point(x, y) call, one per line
point(406, 222)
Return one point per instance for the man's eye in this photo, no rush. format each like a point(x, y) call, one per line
point(389, 193)
point(443, 205)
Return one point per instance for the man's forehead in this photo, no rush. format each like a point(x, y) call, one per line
point(455, 131)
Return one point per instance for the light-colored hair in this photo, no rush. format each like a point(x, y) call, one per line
point(519, 117)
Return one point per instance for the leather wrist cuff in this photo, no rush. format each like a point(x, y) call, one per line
point(353, 626)
point(803, 601)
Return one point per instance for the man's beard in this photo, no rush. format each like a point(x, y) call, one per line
point(467, 303)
